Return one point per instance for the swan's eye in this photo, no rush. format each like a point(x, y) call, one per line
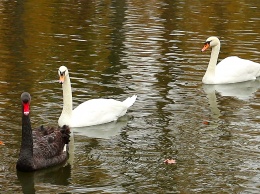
point(62, 73)
point(207, 42)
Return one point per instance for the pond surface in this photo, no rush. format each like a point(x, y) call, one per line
point(115, 49)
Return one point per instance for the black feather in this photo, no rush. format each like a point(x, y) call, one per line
point(42, 147)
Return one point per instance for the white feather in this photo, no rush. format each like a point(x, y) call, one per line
point(91, 112)
point(229, 70)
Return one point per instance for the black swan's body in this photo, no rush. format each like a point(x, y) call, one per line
point(43, 147)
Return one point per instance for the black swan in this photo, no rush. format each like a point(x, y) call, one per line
point(42, 147)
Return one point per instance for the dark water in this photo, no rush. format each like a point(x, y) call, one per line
point(115, 49)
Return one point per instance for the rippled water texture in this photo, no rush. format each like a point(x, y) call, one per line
point(115, 49)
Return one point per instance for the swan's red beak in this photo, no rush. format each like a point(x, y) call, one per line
point(62, 77)
point(206, 46)
point(26, 108)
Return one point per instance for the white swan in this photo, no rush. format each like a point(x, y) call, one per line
point(229, 70)
point(91, 112)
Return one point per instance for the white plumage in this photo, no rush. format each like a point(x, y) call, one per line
point(229, 70)
point(91, 112)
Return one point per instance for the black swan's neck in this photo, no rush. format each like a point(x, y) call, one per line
point(27, 139)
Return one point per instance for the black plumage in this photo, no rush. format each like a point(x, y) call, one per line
point(42, 147)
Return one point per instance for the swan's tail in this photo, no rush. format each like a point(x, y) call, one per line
point(130, 101)
point(65, 130)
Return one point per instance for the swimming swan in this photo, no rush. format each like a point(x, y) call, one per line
point(91, 112)
point(229, 70)
point(42, 147)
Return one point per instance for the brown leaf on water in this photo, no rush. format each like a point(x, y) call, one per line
point(206, 122)
point(170, 161)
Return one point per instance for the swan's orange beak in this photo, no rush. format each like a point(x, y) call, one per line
point(206, 46)
point(62, 77)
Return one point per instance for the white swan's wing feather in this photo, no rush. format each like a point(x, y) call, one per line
point(97, 111)
point(130, 101)
point(234, 69)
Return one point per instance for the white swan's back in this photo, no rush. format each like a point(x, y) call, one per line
point(234, 69)
point(99, 111)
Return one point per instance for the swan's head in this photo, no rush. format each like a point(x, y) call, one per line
point(63, 72)
point(26, 99)
point(210, 42)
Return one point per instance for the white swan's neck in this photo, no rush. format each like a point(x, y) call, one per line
point(210, 73)
point(67, 96)
point(66, 113)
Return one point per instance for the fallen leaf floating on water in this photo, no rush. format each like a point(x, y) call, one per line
point(206, 122)
point(2, 143)
point(170, 161)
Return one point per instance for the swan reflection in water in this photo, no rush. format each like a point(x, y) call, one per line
point(57, 175)
point(241, 91)
point(104, 131)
